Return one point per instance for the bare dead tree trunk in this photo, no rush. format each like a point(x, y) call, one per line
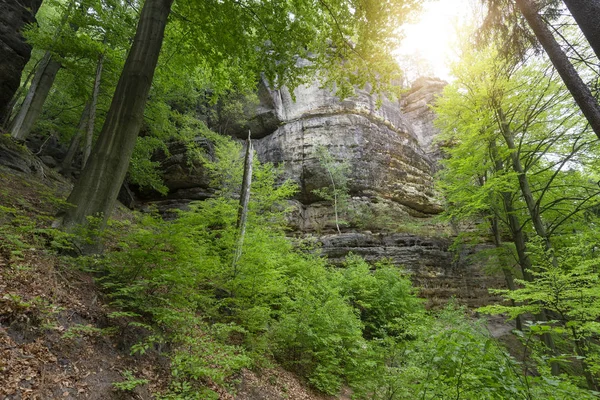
point(244, 201)
point(96, 191)
point(92, 111)
point(578, 89)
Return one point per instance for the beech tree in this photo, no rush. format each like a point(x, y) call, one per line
point(518, 161)
point(349, 42)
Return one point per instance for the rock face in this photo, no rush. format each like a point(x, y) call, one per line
point(437, 271)
point(387, 161)
point(14, 51)
point(392, 162)
point(186, 180)
point(416, 108)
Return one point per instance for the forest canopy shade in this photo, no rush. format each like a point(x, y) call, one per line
point(349, 42)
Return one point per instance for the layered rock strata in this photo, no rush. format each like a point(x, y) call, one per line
point(389, 148)
point(439, 273)
point(387, 162)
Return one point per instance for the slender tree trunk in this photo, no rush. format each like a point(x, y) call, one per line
point(92, 111)
point(513, 222)
point(535, 215)
point(532, 206)
point(36, 96)
point(578, 89)
point(508, 273)
point(244, 202)
point(525, 263)
point(65, 167)
point(96, 191)
point(335, 202)
point(587, 16)
point(580, 349)
point(13, 101)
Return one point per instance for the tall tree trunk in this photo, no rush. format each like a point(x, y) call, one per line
point(525, 263)
point(65, 167)
point(92, 111)
point(532, 206)
point(535, 215)
point(587, 16)
point(244, 202)
point(580, 92)
point(31, 108)
point(34, 101)
point(96, 191)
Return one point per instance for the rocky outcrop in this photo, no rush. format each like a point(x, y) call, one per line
point(14, 50)
point(416, 107)
point(386, 158)
point(185, 178)
point(388, 145)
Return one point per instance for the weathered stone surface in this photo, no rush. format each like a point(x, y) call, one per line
point(416, 106)
point(17, 157)
point(432, 267)
point(391, 181)
point(46, 146)
point(386, 159)
point(14, 50)
point(49, 161)
point(186, 179)
point(278, 107)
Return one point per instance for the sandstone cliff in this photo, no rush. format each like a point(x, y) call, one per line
point(393, 202)
point(387, 161)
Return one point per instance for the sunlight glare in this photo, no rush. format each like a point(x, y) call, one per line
point(428, 42)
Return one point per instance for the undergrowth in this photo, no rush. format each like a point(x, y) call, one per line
point(359, 326)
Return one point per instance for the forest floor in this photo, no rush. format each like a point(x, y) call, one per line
point(56, 338)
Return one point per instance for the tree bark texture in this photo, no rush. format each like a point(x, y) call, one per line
point(11, 105)
point(14, 50)
point(244, 202)
point(532, 206)
point(96, 191)
point(67, 162)
point(587, 16)
point(578, 89)
point(34, 101)
point(89, 136)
